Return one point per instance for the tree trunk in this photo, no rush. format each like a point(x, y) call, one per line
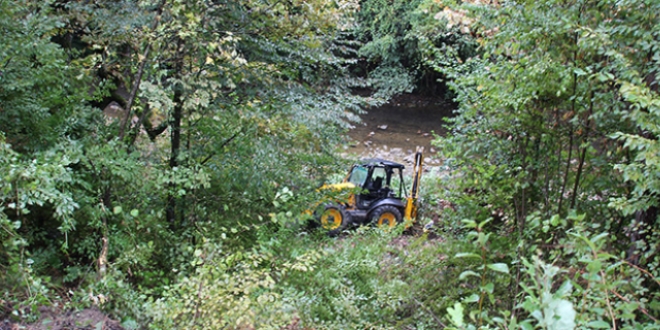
point(175, 141)
point(138, 77)
point(102, 261)
point(175, 134)
point(587, 132)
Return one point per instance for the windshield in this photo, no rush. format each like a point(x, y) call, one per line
point(358, 175)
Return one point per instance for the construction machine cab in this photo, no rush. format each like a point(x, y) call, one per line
point(380, 197)
point(378, 179)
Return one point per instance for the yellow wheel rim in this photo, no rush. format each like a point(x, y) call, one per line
point(386, 220)
point(331, 219)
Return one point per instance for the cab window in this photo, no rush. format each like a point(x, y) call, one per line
point(358, 176)
point(395, 184)
point(379, 172)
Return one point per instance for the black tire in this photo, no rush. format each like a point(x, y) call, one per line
point(334, 219)
point(386, 216)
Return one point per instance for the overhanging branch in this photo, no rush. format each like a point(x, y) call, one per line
point(221, 146)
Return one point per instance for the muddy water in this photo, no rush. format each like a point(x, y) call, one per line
point(394, 131)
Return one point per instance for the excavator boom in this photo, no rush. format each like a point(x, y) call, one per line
point(410, 213)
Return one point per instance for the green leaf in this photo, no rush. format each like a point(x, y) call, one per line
point(499, 267)
point(456, 314)
point(559, 314)
point(469, 223)
point(599, 237)
point(564, 289)
point(579, 72)
point(572, 215)
point(594, 266)
point(135, 212)
point(602, 77)
point(467, 273)
point(117, 209)
point(489, 287)
point(600, 324)
point(472, 298)
point(526, 325)
point(554, 220)
point(467, 255)
point(485, 222)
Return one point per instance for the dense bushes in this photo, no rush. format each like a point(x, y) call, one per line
point(216, 116)
point(550, 144)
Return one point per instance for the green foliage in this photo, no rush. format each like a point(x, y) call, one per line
point(223, 104)
point(364, 280)
point(405, 42)
point(37, 108)
point(386, 23)
point(183, 212)
point(347, 291)
point(485, 278)
point(535, 114)
point(553, 141)
point(549, 310)
point(41, 185)
point(238, 287)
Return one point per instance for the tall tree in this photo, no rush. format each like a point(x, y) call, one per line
point(221, 104)
point(553, 144)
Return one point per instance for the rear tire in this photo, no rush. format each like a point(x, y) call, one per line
point(386, 217)
point(334, 219)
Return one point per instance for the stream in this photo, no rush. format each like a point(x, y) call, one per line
point(395, 130)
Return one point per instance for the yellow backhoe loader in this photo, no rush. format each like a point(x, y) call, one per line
point(377, 189)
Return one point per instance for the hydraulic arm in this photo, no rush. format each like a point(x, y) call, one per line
point(410, 213)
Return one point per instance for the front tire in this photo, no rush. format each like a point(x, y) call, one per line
point(386, 217)
point(334, 219)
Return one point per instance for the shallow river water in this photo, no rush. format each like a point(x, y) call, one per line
point(395, 130)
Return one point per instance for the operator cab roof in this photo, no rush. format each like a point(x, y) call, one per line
point(381, 162)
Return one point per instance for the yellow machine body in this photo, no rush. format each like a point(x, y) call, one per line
point(372, 192)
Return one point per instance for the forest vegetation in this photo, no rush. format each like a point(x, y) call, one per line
point(156, 156)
